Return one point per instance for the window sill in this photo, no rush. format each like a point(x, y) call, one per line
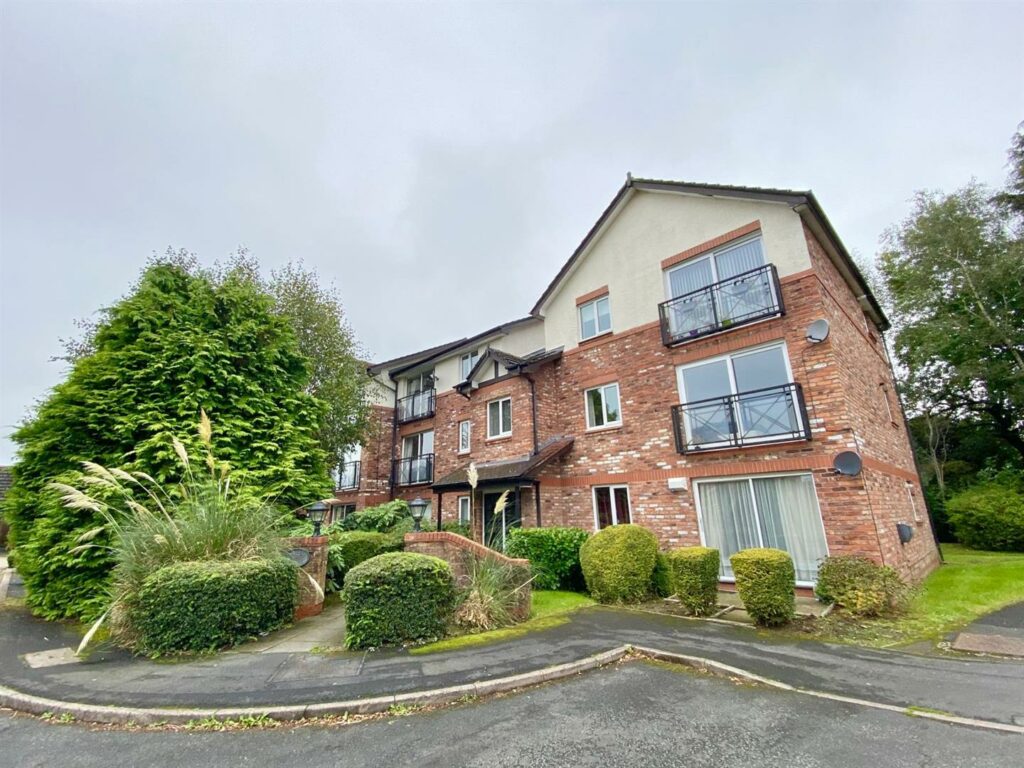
point(464, 453)
point(601, 335)
point(499, 438)
point(605, 428)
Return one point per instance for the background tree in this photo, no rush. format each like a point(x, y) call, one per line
point(185, 339)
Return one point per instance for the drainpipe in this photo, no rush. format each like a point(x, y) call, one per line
point(533, 409)
point(394, 442)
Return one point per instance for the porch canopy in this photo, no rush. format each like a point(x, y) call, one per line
point(518, 472)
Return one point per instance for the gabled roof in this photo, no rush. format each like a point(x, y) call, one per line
point(507, 470)
point(801, 201)
point(512, 363)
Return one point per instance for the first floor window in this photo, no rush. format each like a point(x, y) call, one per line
point(611, 505)
point(779, 512)
point(499, 417)
point(603, 406)
point(465, 509)
point(595, 318)
point(465, 427)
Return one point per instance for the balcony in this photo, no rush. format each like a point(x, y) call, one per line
point(742, 299)
point(770, 415)
point(348, 476)
point(418, 470)
point(416, 406)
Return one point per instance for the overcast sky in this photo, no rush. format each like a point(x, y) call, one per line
point(440, 162)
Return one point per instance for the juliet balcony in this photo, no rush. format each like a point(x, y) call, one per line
point(739, 300)
point(419, 405)
point(347, 478)
point(769, 415)
point(418, 470)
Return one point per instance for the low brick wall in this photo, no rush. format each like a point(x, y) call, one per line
point(456, 550)
point(310, 601)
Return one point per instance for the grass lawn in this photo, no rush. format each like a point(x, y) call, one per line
point(970, 584)
point(547, 609)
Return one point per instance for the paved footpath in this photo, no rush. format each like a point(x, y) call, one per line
point(985, 689)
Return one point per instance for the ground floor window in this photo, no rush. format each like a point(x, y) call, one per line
point(611, 505)
point(340, 512)
point(465, 507)
point(780, 512)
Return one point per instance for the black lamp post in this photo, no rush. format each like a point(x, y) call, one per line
point(418, 507)
point(316, 512)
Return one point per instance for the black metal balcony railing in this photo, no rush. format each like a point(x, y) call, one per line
point(769, 415)
point(751, 296)
point(416, 406)
point(415, 471)
point(348, 476)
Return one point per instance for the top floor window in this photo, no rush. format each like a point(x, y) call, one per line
point(721, 264)
point(418, 402)
point(595, 318)
point(420, 383)
point(467, 361)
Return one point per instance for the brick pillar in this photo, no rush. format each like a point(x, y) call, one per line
point(310, 601)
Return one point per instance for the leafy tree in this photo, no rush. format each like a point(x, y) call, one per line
point(954, 272)
point(184, 340)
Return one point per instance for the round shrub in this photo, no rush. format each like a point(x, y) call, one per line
point(618, 562)
point(859, 586)
point(554, 555)
point(355, 547)
point(695, 578)
point(989, 516)
point(397, 597)
point(209, 604)
point(766, 582)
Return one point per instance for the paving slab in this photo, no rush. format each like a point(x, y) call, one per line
point(52, 658)
point(1000, 645)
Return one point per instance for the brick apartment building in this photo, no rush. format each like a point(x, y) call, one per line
point(695, 367)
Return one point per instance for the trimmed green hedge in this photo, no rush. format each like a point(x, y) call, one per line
point(859, 586)
point(989, 516)
point(355, 547)
point(695, 578)
point(618, 563)
point(205, 605)
point(661, 578)
point(766, 582)
point(554, 555)
point(397, 597)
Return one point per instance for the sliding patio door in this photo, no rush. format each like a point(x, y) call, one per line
point(779, 512)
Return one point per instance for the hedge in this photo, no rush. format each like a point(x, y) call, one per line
point(859, 586)
point(618, 563)
point(554, 555)
point(988, 516)
point(355, 547)
point(695, 578)
point(397, 597)
point(766, 582)
point(205, 605)
point(661, 578)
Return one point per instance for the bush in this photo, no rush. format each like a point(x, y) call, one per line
point(355, 547)
point(461, 529)
point(496, 594)
point(397, 597)
point(382, 518)
point(618, 563)
point(661, 577)
point(859, 586)
point(766, 582)
point(989, 516)
point(554, 555)
point(695, 578)
point(202, 606)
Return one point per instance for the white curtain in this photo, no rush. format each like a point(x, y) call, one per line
point(727, 515)
point(790, 520)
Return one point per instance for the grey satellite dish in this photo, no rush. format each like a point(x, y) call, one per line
point(847, 463)
point(817, 331)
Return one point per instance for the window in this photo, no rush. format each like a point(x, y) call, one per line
point(779, 512)
point(341, 511)
point(417, 464)
point(467, 361)
point(741, 398)
point(499, 418)
point(719, 265)
point(465, 509)
point(465, 428)
point(603, 406)
point(346, 475)
point(595, 318)
point(420, 383)
point(611, 505)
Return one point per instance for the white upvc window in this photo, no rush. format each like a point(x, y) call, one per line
point(778, 511)
point(467, 361)
point(465, 433)
point(729, 261)
point(603, 408)
point(611, 505)
point(595, 318)
point(465, 509)
point(499, 418)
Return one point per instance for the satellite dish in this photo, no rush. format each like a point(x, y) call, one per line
point(817, 331)
point(847, 463)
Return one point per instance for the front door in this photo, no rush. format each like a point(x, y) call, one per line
point(496, 527)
